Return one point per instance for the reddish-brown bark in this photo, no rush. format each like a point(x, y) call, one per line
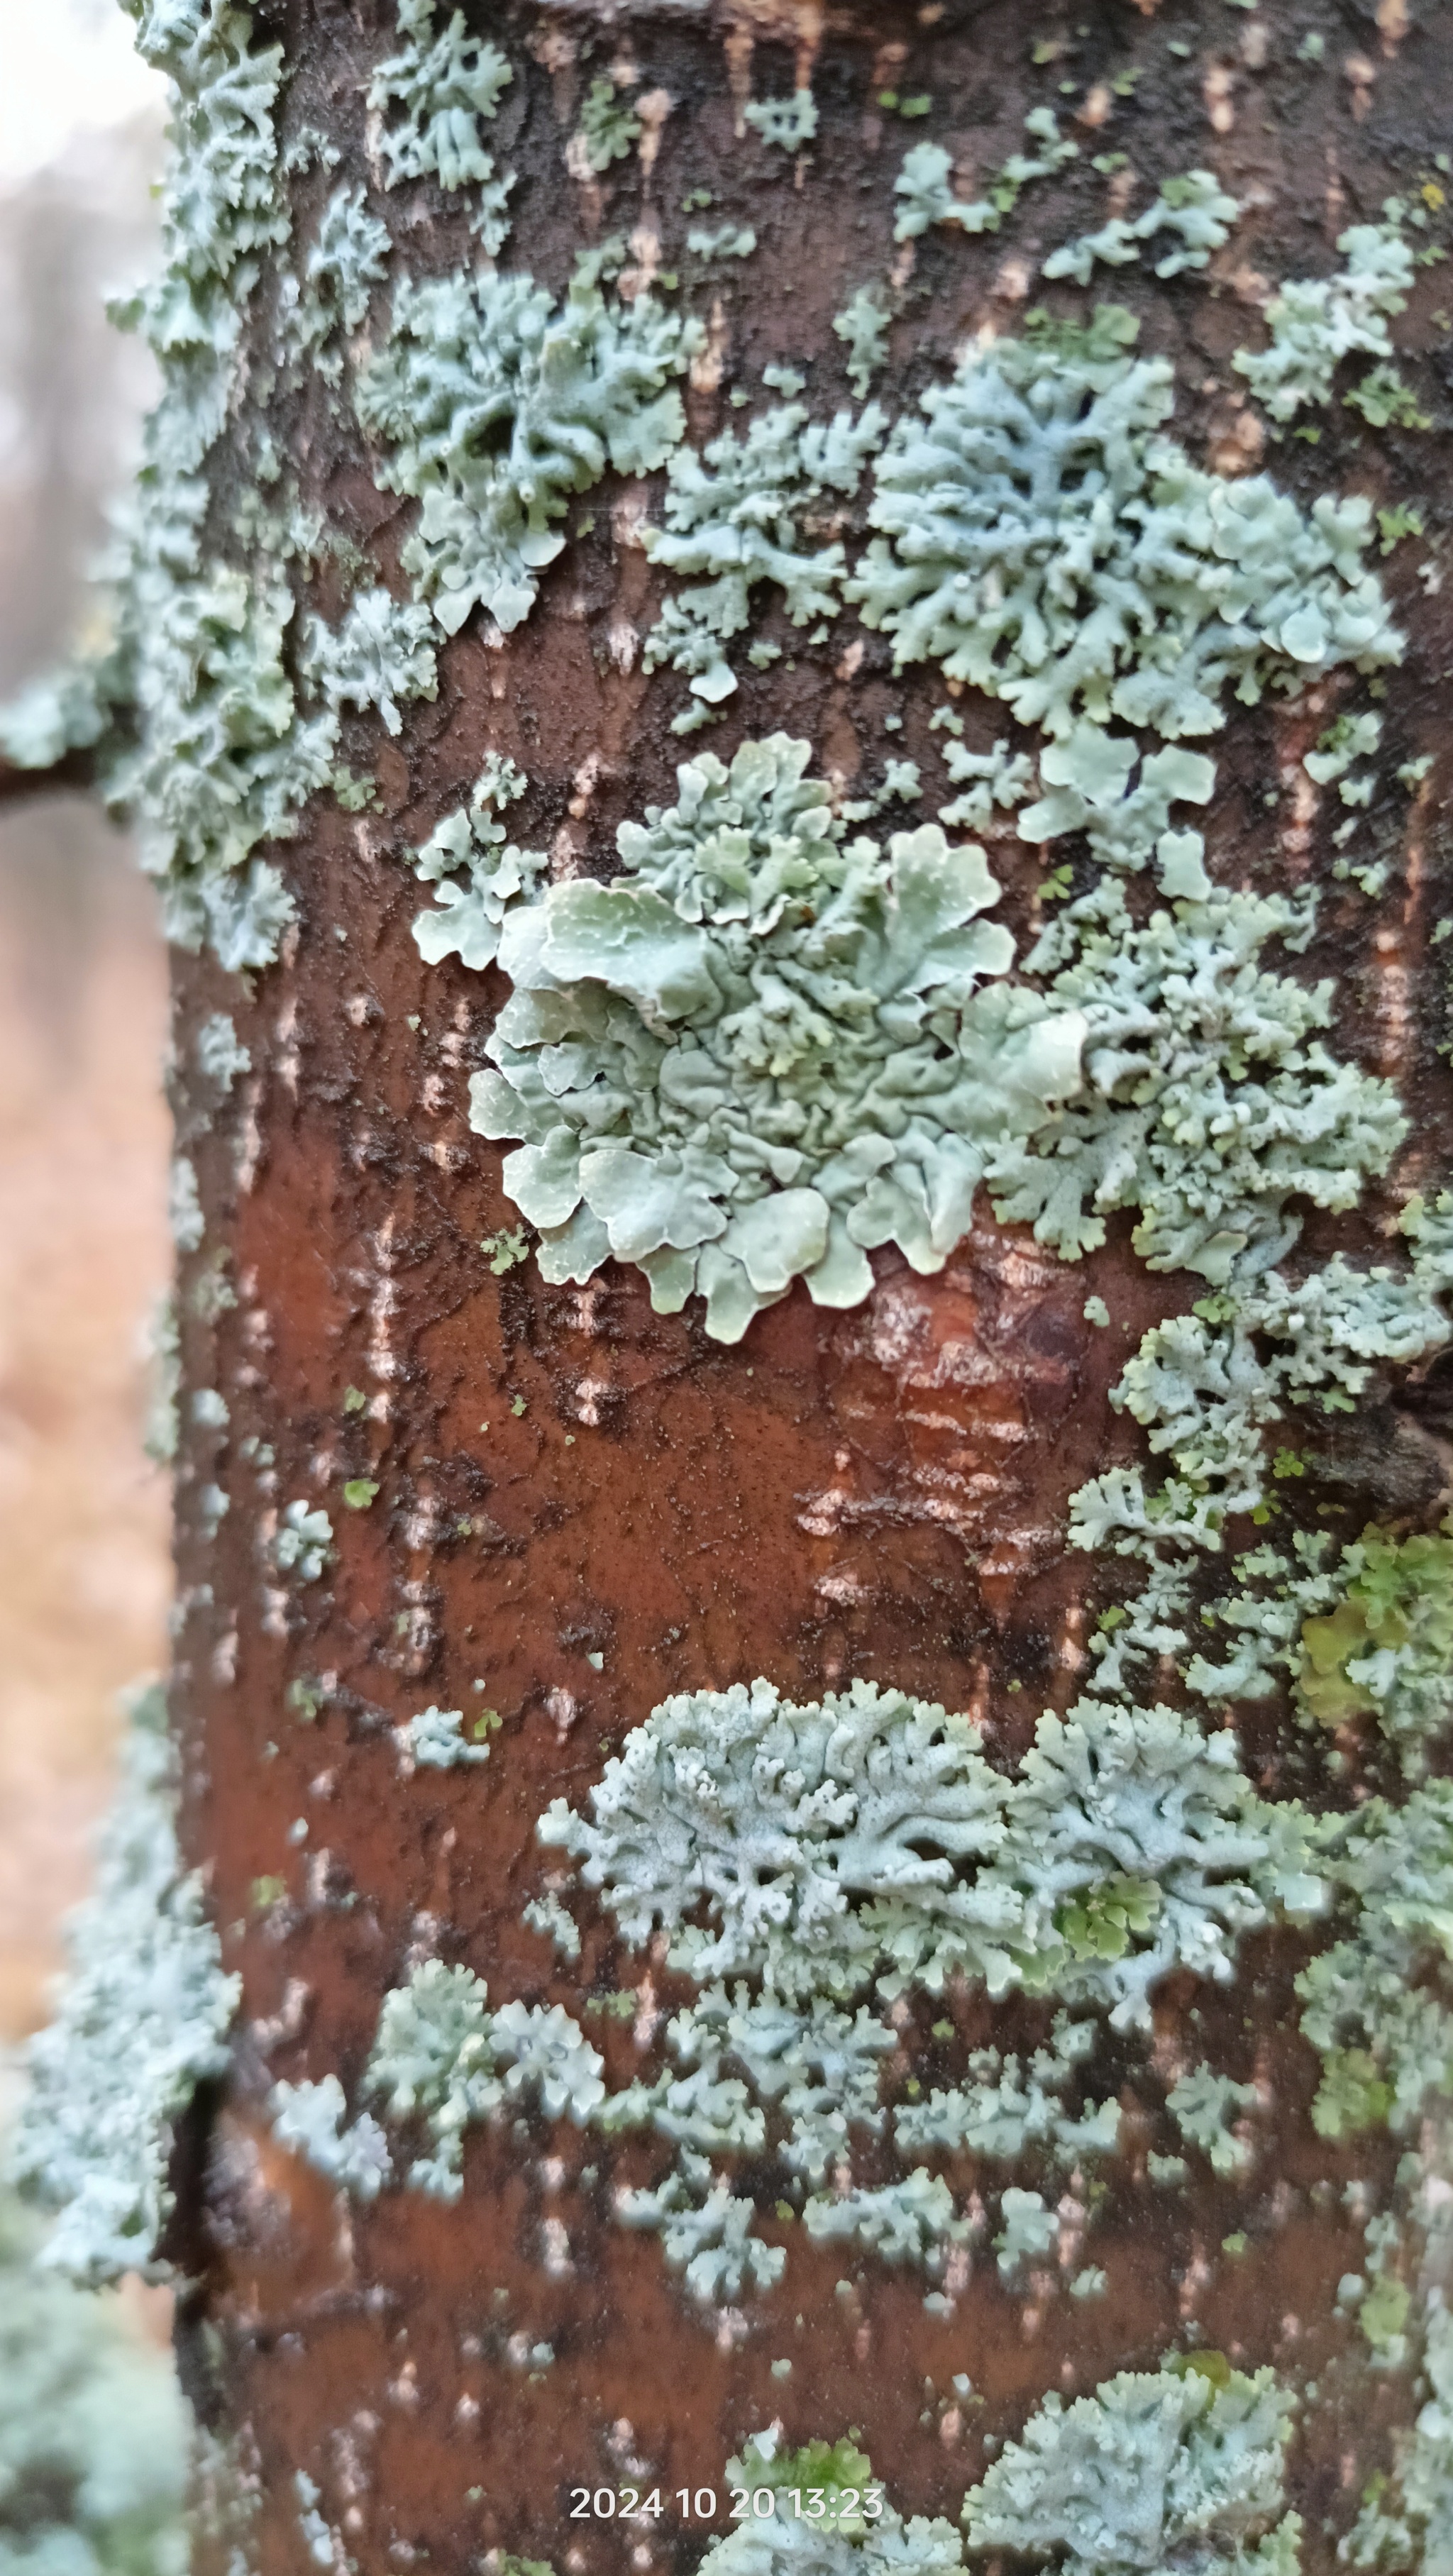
point(562, 1474)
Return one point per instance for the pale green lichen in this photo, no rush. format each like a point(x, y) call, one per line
point(1352, 737)
point(1208, 1103)
point(608, 130)
point(862, 326)
point(446, 85)
point(548, 2054)
point(303, 1543)
point(1044, 540)
point(1211, 1387)
point(1407, 2522)
point(496, 404)
point(94, 2431)
point(789, 123)
point(191, 711)
point(1372, 2003)
point(815, 2069)
point(185, 1222)
point(1203, 2104)
point(142, 2020)
point(506, 1249)
point(1029, 2233)
point(1114, 245)
point(865, 1838)
point(729, 241)
point(1316, 322)
point(435, 1741)
point(1196, 208)
point(476, 871)
point(1383, 2301)
point(1182, 2467)
point(348, 258)
point(221, 210)
point(761, 1051)
point(220, 1055)
point(1386, 402)
point(830, 2519)
point(735, 518)
point(382, 652)
point(224, 759)
point(925, 197)
point(433, 2058)
point(1087, 774)
point(313, 2120)
point(993, 781)
point(163, 1347)
point(1010, 2105)
point(912, 2221)
point(324, 2543)
point(705, 2231)
point(1275, 1593)
point(442, 2053)
point(547, 1916)
point(1383, 1647)
point(60, 712)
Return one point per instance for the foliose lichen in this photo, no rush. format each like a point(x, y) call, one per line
point(609, 127)
point(1203, 2103)
point(1375, 2003)
point(1384, 1647)
point(493, 405)
point(142, 2019)
point(862, 326)
point(444, 2054)
point(763, 1049)
point(1317, 322)
point(303, 1542)
point(864, 1839)
point(833, 2529)
point(190, 711)
point(94, 2442)
point(1010, 2105)
point(433, 2058)
point(347, 259)
point(313, 2119)
point(788, 123)
point(445, 85)
point(435, 1741)
point(1044, 540)
point(705, 2232)
point(476, 872)
point(382, 652)
point(735, 518)
point(1156, 2469)
point(1195, 208)
point(1208, 1104)
point(925, 196)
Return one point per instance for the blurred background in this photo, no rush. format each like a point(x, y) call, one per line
point(82, 993)
point(84, 1256)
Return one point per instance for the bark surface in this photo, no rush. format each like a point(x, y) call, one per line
point(583, 1506)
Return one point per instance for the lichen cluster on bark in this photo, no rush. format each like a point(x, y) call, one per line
point(783, 669)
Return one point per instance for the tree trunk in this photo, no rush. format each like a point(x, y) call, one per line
point(550, 1507)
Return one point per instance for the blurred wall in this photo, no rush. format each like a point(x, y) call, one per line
point(83, 1248)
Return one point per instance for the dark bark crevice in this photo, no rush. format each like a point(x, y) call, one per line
point(73, 774)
